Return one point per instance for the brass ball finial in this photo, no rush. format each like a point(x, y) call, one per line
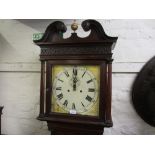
point(74, 26)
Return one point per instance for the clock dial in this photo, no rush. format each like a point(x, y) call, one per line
point(75, 89)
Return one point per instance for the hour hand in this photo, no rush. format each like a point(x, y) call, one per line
point(74, 78)
point(74, 83)
point(74, 86)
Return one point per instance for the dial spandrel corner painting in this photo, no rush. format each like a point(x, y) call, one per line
point(75, 89)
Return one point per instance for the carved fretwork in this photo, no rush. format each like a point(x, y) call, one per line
point(99, 50)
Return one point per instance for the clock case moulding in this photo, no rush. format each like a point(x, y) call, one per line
point(1, 108)
point(93, 49)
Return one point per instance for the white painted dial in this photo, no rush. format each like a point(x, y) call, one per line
point(75, 89)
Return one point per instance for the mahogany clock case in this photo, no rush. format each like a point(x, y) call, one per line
point(92, 50)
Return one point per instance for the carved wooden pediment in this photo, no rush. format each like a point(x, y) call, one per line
point(54, 34)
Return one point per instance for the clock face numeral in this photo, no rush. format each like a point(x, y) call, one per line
point(88, 98)
point(83, 74)
point(82, 104)
point(75, 71)
point(75, 89)
point(60, 80)
point(65, 103)
point(91, 90)
point(60, 96)
point(90, 81)
point(73, 106)
point(58, 88)
point(66, 73)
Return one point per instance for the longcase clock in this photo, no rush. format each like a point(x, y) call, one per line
point(75, 92)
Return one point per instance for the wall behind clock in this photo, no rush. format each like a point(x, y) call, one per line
point(20, 73)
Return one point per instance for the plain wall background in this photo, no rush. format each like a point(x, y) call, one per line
point(20, 73)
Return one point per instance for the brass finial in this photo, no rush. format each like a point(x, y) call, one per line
point(74, 26)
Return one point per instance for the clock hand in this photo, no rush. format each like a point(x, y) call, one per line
point(74, 78)
point(74, 84)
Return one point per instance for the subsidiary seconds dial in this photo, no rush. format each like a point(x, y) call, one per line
point(75, 89)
